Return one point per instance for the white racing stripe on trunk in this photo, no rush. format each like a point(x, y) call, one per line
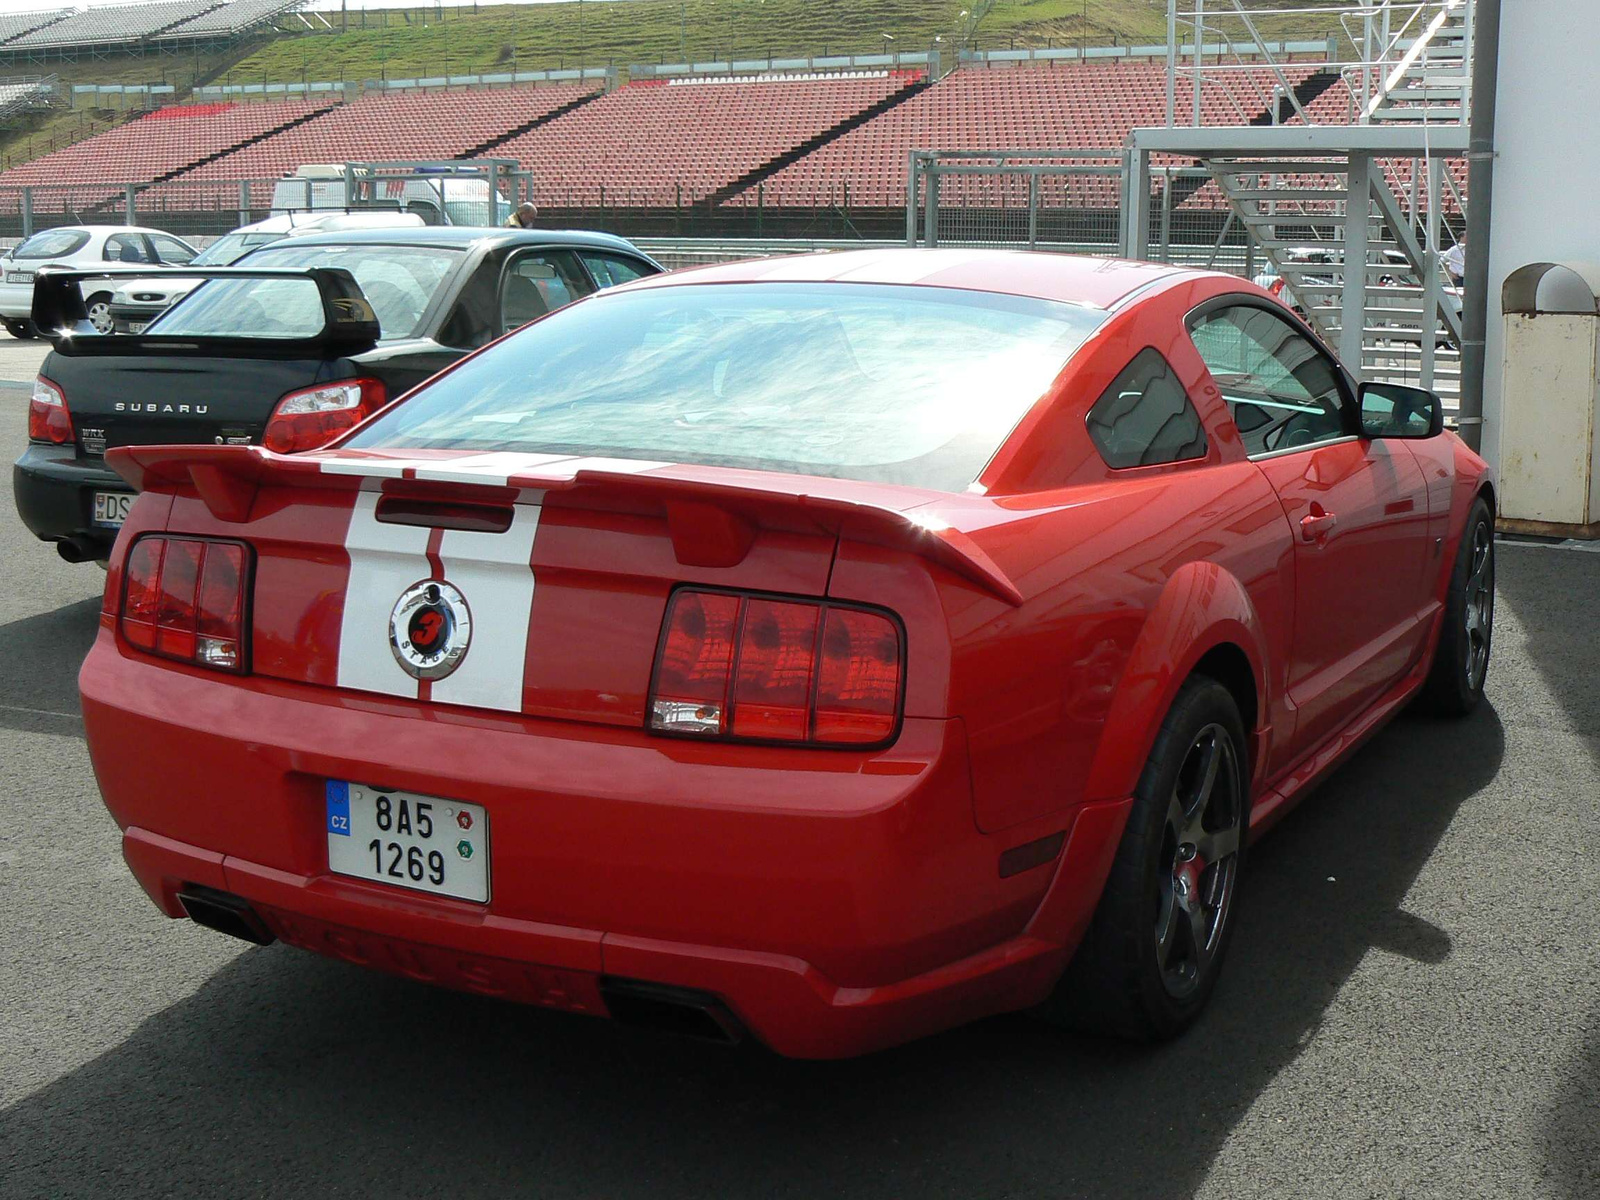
point(622, 466)
point(495, 467)
point(375, 468)
point(494, 573)
point(384, 561)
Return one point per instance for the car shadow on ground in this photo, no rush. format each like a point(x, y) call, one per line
point(39, 686)
point(285, 1073)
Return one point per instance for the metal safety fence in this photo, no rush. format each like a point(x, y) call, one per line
point(1070, 200)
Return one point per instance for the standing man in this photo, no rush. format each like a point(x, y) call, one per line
point(1455, 262)
point(525, 216)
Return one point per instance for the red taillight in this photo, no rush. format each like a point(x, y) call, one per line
point(1277, 287)
point(858, 678)
point(753, 668)
point(692, 673)
point(183, 598)
point(313, 417)
point(49, 419)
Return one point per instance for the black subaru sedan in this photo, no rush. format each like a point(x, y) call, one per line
point(293, 345)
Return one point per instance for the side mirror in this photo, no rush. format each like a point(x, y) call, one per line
point(1392, 410)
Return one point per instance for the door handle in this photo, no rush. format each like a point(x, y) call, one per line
point(1317, 524)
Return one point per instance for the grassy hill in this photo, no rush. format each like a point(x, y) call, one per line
point(410, 43)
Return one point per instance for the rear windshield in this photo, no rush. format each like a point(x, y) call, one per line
point(914, 385)
point(398, 281)
point(52, 243)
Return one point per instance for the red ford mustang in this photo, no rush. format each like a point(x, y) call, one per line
point(835, 649)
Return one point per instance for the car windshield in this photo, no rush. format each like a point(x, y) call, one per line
point(914, 385)
point(398, 281)
point(52, 243)
point(233, 247)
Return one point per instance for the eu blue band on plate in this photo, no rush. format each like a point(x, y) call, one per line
point(339, 807)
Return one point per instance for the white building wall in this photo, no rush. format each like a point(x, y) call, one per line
point(1546, 205)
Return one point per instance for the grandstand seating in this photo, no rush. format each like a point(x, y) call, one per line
point(24, 94)
point(396, 125)
point(653, 142)
point(112, 25)
point(1059, 106)
point(155, 146)
point(228, 20)
point(14, 25)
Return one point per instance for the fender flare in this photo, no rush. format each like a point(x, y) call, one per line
point(1203, 606)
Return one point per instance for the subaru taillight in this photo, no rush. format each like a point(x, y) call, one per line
point(184, 598)
point(49, 419)
point(765, 669)
point(314, 416)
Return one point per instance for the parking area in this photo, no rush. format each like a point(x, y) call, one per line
point(1411, 1008)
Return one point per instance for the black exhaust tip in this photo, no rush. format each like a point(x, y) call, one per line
point(662, 1008)
point(77, 550)
point(225, 913)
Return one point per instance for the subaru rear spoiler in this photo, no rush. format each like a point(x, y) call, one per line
point(349, 324)
point(712, 513)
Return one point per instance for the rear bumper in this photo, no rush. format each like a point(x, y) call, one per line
point(16, 301)
point(785, 1002)
point(124, 315)
point(54, 491)
point(833, 909)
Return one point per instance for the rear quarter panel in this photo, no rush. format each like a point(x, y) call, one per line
point(1129, 578)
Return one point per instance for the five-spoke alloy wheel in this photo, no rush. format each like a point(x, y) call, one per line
point(1155, 947)
point(1199, 860)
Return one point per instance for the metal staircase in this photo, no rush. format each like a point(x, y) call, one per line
point(1307, 215)
point(1416, 62)
point(1369, 187)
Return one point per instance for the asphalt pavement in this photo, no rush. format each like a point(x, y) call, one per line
point(1411, 1006)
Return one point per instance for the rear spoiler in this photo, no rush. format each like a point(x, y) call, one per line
point(349, 324)
point(712, 520)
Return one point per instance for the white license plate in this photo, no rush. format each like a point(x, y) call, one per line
point(411, 841)
point(19, 276)
point(111, 508)
point(137, 326)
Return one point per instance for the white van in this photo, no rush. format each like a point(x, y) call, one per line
point(439, 198)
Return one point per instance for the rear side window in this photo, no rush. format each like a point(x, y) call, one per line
point(52, 243)
point(609, 270)
point(126, 247)
point(1145, 417)
point(538, 283)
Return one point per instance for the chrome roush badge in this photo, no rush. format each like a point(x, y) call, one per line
point(430, 629)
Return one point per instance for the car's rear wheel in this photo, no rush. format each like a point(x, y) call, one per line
point(98, 309)
point(1461, 663)
point(1155, 947)
point(21, 329)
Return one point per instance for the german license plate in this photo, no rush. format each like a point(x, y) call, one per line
point(111, 508)
point(19, 276)
point(410, 841)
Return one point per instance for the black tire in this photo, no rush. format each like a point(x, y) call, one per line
point(21, 329)
point(1461, 663)
point(1127, 979)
